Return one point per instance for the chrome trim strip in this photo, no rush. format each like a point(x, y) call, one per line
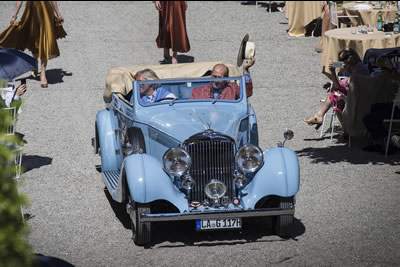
point(215, 215)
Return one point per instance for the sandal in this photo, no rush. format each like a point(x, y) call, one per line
point(313, 120)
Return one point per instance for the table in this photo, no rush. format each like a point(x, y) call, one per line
point(368, 16)
point(339, 39)
point(301, 13)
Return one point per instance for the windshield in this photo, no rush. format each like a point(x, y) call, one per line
point(173, 91)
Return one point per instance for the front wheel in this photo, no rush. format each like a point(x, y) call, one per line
point(284, 223)
point(141, 231)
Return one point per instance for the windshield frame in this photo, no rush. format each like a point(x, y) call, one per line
point(135, 99)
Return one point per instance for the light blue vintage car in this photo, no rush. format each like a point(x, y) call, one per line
point(194, 160)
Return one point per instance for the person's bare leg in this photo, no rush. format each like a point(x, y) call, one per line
point(34, 72)
point(175, 57)
point(166, 54)
point(324, 108)
point(43, 79)
point(319, 116)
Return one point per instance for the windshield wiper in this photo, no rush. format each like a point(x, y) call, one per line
point(215, 100)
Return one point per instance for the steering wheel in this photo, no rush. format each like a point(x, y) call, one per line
point(165, 98)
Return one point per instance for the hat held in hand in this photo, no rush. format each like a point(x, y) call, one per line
point(247, 50)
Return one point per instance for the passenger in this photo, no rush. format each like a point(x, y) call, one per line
point(150, 93)
point(223, 89)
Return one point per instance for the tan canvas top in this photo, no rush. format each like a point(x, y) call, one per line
point(119, 79)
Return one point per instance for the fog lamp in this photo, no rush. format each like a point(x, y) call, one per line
point(215, 189)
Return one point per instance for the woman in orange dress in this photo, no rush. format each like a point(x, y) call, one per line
point(172, 28)
point(39, 28)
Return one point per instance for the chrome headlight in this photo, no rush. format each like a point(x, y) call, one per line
point(215, 189)
point(176, 161)
point(249, 158)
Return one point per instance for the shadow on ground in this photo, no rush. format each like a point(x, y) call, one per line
point(53, 76)
point(21, 136)
point(48, 261)
point(119, 210)
point(184, 234)
point(181, 59)
point(344, 153)
point(270, 5)
point(30, 162)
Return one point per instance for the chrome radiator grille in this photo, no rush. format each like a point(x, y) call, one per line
point(211, 159)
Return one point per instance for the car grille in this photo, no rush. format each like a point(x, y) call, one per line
point(211, 159)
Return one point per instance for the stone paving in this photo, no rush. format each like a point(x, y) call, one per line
point(347, 208)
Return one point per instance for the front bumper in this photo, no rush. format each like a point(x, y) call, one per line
point(206, 215)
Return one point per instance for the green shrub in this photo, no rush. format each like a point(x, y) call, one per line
point(14, 247)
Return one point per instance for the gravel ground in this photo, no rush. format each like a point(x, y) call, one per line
point(347, 208)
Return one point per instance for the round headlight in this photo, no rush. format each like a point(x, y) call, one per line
point(176, 161)
point(249, 158)
point(215, 189)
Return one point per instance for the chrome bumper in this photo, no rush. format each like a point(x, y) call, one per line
point(206, 215)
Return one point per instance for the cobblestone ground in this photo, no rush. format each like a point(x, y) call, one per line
point(347, 208)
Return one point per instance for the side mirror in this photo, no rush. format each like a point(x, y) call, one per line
point(288, 135)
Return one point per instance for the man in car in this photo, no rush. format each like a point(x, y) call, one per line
point(150, 93)
point(224, 89)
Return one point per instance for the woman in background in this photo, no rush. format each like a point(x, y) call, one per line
point(351, 64)
point(39, 28)
point(172, 28)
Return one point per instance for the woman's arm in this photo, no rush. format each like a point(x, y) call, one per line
point(158, 5)
point(57, 11)
point(17, 8)
point(335, 81)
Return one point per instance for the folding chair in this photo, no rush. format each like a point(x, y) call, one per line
point(15, 148)
point(12, 114)
point(331, 113)
point(391, 121)
point(333, 13)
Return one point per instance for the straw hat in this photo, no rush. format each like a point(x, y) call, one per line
point(247, 50)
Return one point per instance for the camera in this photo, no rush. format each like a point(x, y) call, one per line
point(338, 64)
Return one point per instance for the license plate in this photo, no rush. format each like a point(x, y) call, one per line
point(219, 224)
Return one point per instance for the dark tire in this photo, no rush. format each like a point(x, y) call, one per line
point(141, 231)
point(97, 142)
point(284, 223)
point(136, 139)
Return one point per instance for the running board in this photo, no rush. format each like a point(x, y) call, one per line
point(112, 180)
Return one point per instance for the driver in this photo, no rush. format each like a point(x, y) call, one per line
point(224, 89)
point(150, 93)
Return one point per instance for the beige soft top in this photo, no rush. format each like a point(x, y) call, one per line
point(119, 79)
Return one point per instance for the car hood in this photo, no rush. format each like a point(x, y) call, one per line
point(183, 122)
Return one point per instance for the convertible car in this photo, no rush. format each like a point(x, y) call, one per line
point(190, 159)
